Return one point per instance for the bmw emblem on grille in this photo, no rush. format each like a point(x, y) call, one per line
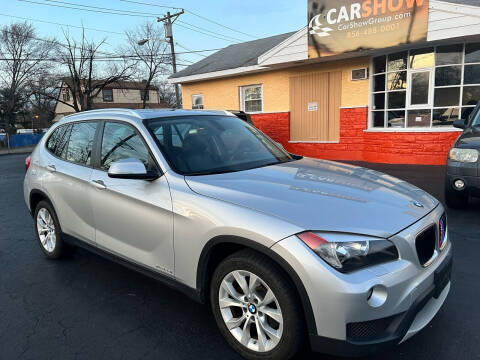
point(417, 204)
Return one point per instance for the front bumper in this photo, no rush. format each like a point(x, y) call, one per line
point(400, 327)
point(345, 323)
point(468, 172)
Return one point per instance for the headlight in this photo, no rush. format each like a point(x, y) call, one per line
point(347, 253)
point(463, 155)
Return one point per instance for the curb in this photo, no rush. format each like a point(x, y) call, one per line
point(29, 151)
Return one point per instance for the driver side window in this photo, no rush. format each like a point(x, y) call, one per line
point(122, 141)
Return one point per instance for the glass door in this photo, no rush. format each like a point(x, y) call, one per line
point(419, 94)
point(419, 98)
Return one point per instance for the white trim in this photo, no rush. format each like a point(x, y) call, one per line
point(303, 55)
point(364, 78)
point(313, 142)
point(216, 74)
point(415, 130)
point(242, 102)
point(431, 86)
point(452, 8)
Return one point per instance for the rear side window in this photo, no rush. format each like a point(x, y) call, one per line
point(122, 141)
point(79, 149)
point(54, 138)
point(61, 148)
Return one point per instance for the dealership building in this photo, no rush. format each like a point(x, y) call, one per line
point(365, 80)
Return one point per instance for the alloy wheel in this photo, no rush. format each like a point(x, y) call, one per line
point(250, 311)
point(46, 230)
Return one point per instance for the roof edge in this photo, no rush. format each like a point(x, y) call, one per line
point(217, 74)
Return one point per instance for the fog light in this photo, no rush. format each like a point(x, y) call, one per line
point(459, 184)
point(377, 296)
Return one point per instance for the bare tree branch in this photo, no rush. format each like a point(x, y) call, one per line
point(153, 56)
point(86, 76)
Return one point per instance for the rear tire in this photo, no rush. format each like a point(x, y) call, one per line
point(47, 228)
point(455, 199)
point(259, 328)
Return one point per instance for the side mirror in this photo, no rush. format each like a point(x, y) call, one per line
point(460, 123)
point(131, 169)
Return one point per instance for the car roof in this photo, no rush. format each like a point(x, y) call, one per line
point(140, 114)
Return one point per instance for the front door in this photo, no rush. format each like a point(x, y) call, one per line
point(419, 97)
point(134, 218)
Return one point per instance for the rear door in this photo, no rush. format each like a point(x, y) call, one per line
point(133, 218)
point(68, 167)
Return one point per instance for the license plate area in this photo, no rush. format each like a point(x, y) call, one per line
point(442, 276)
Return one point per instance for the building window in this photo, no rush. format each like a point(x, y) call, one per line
point(144, 95)
point(66, 95)
point(197, 101)
point(107, 95)
point(425, 88)
point(251, 98)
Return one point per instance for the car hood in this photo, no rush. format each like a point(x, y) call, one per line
point(322, 195)
point(470, 139)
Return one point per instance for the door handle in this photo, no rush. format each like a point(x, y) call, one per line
point(99, 184)
point(51, 168)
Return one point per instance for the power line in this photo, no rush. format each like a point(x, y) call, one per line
point(194, 14)
point(53, 41)
point(60, 24)
point(76, 8)
point(211, 32)
point(102, 10)
point(201, 32)
point(185, 48)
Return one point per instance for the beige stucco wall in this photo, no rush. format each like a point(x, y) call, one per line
point(224, 93)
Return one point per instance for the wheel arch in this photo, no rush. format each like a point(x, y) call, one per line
point(218, 248)
point(35, 197)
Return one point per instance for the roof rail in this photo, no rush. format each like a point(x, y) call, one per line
point(107, 110)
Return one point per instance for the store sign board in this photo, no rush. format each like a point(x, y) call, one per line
point(312, 106)
point(339, 26)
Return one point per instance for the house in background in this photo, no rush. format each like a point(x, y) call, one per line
point(122, 94)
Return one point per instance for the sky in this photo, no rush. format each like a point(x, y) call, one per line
point(256, 18)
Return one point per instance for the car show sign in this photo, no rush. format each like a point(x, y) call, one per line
point(340, 26)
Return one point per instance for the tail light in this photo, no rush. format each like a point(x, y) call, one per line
point(28, 161)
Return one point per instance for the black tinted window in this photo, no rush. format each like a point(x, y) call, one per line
point(54, 138)
point(79, 148)
point(121, 141)
point(61, 148)
point(212, 144)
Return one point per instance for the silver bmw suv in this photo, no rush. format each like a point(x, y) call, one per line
point(290, 252)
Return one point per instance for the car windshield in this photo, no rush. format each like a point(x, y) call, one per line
point(476, 116)
point(210, 144)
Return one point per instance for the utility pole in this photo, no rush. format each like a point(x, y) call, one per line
point(167, 23)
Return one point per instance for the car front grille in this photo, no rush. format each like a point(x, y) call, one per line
point(425, 244)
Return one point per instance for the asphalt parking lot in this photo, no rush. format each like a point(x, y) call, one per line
point(85, 307)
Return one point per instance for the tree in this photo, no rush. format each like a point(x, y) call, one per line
point(166, 94)
point(44, 91)
point(87, 73)
point(23, 55)
point(148, 45)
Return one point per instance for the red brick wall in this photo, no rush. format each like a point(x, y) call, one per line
point(275, 125)
point(428, 148)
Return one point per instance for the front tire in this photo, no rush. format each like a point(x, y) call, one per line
point(48, 231)
point(455, 199)
point(256, 307)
